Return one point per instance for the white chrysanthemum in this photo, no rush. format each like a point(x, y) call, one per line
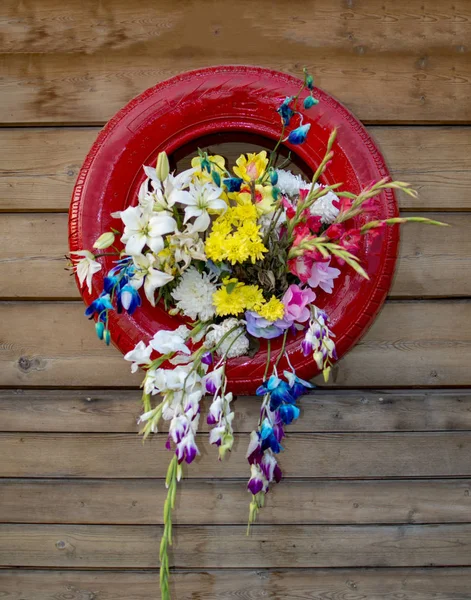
point(194, 295)
point(324, 207)
point(290, 184)
point(235, 344)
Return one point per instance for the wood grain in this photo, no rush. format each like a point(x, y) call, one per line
point(32, 263)
point(39, 166)
point(329, 455)
point(134, 546)
point(116, 411)
point(296, 584)
point(50, 344)
point(224, 502)
point(78, 62)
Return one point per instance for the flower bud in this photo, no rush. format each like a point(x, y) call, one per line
point(216, 178)
point(309, 81)
point(273, 177)
point(162, 168)
point(107, 337)
point(99, 328)
point(104, 241)
point(309, 102)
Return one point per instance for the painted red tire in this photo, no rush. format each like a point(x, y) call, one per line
point(233, 99)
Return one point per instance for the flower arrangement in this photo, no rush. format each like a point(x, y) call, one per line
point(238, 254)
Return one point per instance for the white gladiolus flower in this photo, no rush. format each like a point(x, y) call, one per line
point(147, 275)
point(139, 356)
point(194, 295)
point(144, 228)
point(169, 341)
point(86, 267)
point(201, 199)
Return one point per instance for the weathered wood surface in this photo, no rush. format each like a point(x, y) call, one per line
point(330, 455)
point(35, 244)
point(79, 62)
point(39, 166)
point(421, 343)
point(116, 411)
point(221, 502)
point(136, 546)
point(224, 584)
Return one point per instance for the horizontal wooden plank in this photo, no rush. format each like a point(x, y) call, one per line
point(140, 502)
point(330, 455)
point(38, 166)
point(34, 245)
point(51, 344)
point(73, 26)
point(297, 584)
point(133, 546)
point(116, 411)
point(71, 63)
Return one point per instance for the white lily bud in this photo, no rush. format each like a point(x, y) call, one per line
point(104, 241)
point(162, 168)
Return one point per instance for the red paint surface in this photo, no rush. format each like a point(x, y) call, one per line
point(233, 99)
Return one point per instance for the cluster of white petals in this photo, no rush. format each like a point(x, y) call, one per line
point(235, 343)
point(194, 295)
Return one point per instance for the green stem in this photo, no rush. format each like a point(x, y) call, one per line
point(268, 360)
point(166, 541)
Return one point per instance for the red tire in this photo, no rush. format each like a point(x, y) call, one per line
point(233, 99)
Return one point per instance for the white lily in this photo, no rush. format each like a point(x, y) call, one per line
point(147, 275)
point(201, 199)
point(86, 267)
point(139, 356)
point(142, 227)
point(169, 341)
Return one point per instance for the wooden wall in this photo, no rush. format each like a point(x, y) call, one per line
point(377, 503)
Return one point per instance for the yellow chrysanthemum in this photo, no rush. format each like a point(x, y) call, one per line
point(215, 246)
point(236, 250)
point(234, 297)
point(272, 310)
point(244, 212)
point(235, 236)
point(252, 166)
point(253, 297)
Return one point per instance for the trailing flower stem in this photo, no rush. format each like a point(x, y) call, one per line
point(173, 476)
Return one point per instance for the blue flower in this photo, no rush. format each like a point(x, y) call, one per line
point(260, 327)
point(298, 386)
point(129, 299)
point(110, 283)
point(233, 184)
point(285, 111)
point(280, 392)
point(99, 306)
point(269, 439)
point(288, 413)
point(298, 135)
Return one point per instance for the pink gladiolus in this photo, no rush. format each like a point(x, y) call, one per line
point(323, 275)
point(296, 301)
